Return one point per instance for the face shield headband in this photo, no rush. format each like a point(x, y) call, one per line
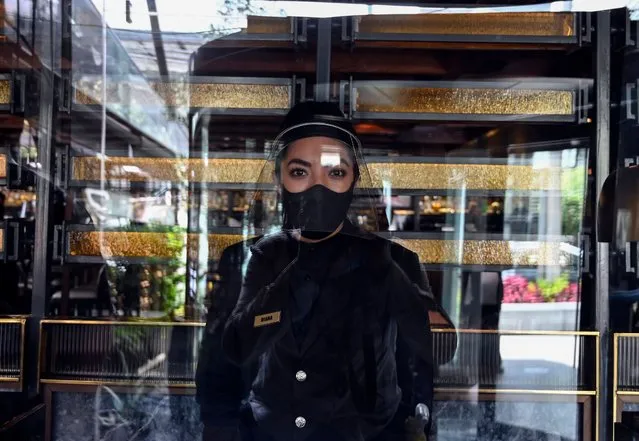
point(317, 128)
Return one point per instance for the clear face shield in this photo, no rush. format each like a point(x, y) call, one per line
point(314, 183)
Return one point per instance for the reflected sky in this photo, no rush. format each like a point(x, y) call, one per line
point(195, 16)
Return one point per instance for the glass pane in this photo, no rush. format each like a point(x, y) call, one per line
point(247, 220)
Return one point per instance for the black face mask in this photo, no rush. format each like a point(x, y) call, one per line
point(316, 210)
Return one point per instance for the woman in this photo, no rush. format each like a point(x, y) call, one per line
point(321, 300)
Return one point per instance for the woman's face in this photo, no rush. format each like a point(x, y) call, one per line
point(317, 160)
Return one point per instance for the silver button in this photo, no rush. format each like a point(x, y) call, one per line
point(300, 422)
point(300, 376)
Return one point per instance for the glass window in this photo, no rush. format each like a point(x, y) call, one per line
point(248, 220)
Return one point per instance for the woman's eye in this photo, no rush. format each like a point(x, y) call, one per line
point(337, 173)
point(297, 172)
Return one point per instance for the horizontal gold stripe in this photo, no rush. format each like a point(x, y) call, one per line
point(485, 252)
point(516, 391)
point(169, 245)
point(71, 382)
point(463, 101)
point(131, 322)
point(398, 175)
point(228, 96)
point(9, 379)
point(519, 332)
point(12, 320)
point(128, 322)
point(540, 24)
point(425, 176)
point(125, 244)
point(5, 92)
point(209, 95)
point(224, 171)
point(629, 393)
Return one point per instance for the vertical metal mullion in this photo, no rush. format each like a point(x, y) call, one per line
point(602, 313)
point(323, 66)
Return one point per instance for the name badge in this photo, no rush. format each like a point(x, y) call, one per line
point(267, 319)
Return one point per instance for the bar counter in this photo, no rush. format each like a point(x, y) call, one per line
point(144, 370)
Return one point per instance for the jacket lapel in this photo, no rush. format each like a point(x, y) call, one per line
point(333, 299)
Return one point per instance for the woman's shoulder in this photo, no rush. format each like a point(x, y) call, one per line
point(270, 245)
point(398, 251)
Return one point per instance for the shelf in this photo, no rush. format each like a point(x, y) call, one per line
point(403, 174)
point(434, 250)
point(548, 100)
point(507, 29)
point(223, 95)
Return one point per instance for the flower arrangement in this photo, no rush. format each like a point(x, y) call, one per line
point(518, 289)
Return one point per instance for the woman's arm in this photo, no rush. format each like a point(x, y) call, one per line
point(409, 306)
point(260, 316)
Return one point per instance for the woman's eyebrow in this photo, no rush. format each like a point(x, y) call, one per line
point(345, 162)
point(299, 162)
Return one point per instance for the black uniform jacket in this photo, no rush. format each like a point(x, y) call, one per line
point(325, 378)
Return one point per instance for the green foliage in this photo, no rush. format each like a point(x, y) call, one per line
point(573, 191)
point(550, 289)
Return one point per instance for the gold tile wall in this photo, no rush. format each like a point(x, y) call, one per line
point(5, 92)
point(463, 101)
point(485, 252)
point(208, 95)
point(3, 166)
point(426, 176)
point(240, 96)
point(88, 168)
point(125, 244)
point(423, 176)
point(473, 252)
point(539, 24)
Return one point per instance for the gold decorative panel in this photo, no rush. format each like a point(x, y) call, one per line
point(463, 101)
point(531, 24)
point(425, 176)
point(268, 25)
point(88, 168)
point(486, 252)
point(1, 240)
point(240, 96)
point(3, 166)
point(5, 92)
point(219, 242)
point(397, 175)
point(224, 96)
point(169, 245)
point(208, 95)
point(125, 244)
